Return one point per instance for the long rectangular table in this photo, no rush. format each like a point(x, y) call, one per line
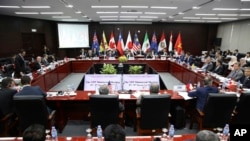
point(76, 107)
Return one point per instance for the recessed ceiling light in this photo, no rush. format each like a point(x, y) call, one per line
point(171, 17)
point(181, 20)
point(191, 18)
point(144, 19)
point(244, 15)
point(227, 14)
point(198, 21)
point(180, 13)
point(70, 20)
point(209, 18)
point(127, 19)
point(156, 13)
point(109, 19)
point(61, 17)
point(107, 12)
point(3, 6)
point(69, 6)
point(128, 16)
point(151, 17)
point(226, 9)
point(108, 16)
point(214, 21)
point(27, 13)
point(78, 12)
point(229, 18)
point(35, 6)
point(134, 6)
point(245, 9)
point(52, 13)
point(131, 12)
point(244, 0)
point(106, 6)
point(201, 14)
point(196, 7)
point(163, 7)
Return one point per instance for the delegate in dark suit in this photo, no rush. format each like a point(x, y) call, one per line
point(6, 96)
point(237, 73)
point(202, 93)
point(19, 66)
point(246, 79)
point(218, 70)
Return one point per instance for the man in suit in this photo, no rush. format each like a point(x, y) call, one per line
point(28, 89)
point(208, 65)
point(114, 132)
point(20, 65)
point(245, 80)
point(236, 74)
point(153, 90)
point(6, 96)
point(202, 93)
point(219, 67)
point(189, 59)
point(104, 90)
point(38, 63)
point(34, 132)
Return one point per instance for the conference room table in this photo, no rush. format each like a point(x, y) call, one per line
point(76, 107)
point(184, 137)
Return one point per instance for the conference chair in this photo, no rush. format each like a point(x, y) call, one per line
point(7, 123)
point(241, 115)
point(32, 109)
point(154, 114)
point(104, 110)
point(217, 111)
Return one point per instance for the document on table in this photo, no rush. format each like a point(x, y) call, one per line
point(124, 96)
point(185, 95)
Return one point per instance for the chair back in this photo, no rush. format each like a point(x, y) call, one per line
point(104, 110)
point(31, 109)
point(242, 116)
point(154, 111)
point(218, 110)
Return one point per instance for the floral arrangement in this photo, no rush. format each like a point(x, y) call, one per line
point(123, 59)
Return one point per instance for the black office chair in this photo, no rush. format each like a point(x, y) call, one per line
point(154, 114)
point(217, 111)
point(241, 115)
point(32, 109)
point(104, 110)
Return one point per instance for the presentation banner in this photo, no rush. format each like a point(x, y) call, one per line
point(94, 81)
point(140, 81)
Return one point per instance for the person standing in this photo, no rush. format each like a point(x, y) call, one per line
point(20, 66)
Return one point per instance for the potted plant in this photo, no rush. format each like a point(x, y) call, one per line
point(108, 69)
point(136, 69)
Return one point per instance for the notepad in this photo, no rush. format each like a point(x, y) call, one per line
point(185, 95)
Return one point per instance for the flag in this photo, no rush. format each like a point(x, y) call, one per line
point(129, 44)
point(162, 43)
point(120, 45)
point(95, 43)
point(170, 45)
point(189, 86)
point(153, 45)
point(110, 87)
point(146, 44)
point(112, 41)
point(136, 43)
point(104, 42)
point(178, 44)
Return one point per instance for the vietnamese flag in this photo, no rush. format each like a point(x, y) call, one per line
point(178, 44)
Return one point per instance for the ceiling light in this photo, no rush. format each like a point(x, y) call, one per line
point(181, 20)
point(69, 6)
point(191, 18)
point(3, 6)
point(196, 7)
point(24, 13)
point(131, 12)
point(144, 19)
point(128, 16)
point(108, 16)
point(229, 18)
point(156, 13)
point(125, 22)
point(127, 19)
point(85, 16)
point(201, 14)
point(35, 6)
point(151, 17)
point(214, 21)
point(244, 15)
point(209, 18)
point(61, 17)
point(171, 17)
point(52, 13)
point(106, 12)
point(244, 9)
point(113, 6)
point(109, 19)
point(227, 9)
point(180, 13)
point(164, 19)
point(227, 14)
point(134, 6)
point(197, 20)
point(163, 7)
point(244, 0)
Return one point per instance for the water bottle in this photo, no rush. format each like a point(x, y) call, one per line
point(171, 131)
point(226, 130)
point(99, 132)
point(54, 133)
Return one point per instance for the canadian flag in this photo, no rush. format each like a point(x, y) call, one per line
point(189, 87)
point(112, 41)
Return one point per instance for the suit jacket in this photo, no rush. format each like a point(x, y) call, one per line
point(6, 101)
point(19, 65)
point(201, 95)
point(218, 70)
point(189, 60)
point(32, 90)
point(236, 75)
point(36, 66)
point(245, 82)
